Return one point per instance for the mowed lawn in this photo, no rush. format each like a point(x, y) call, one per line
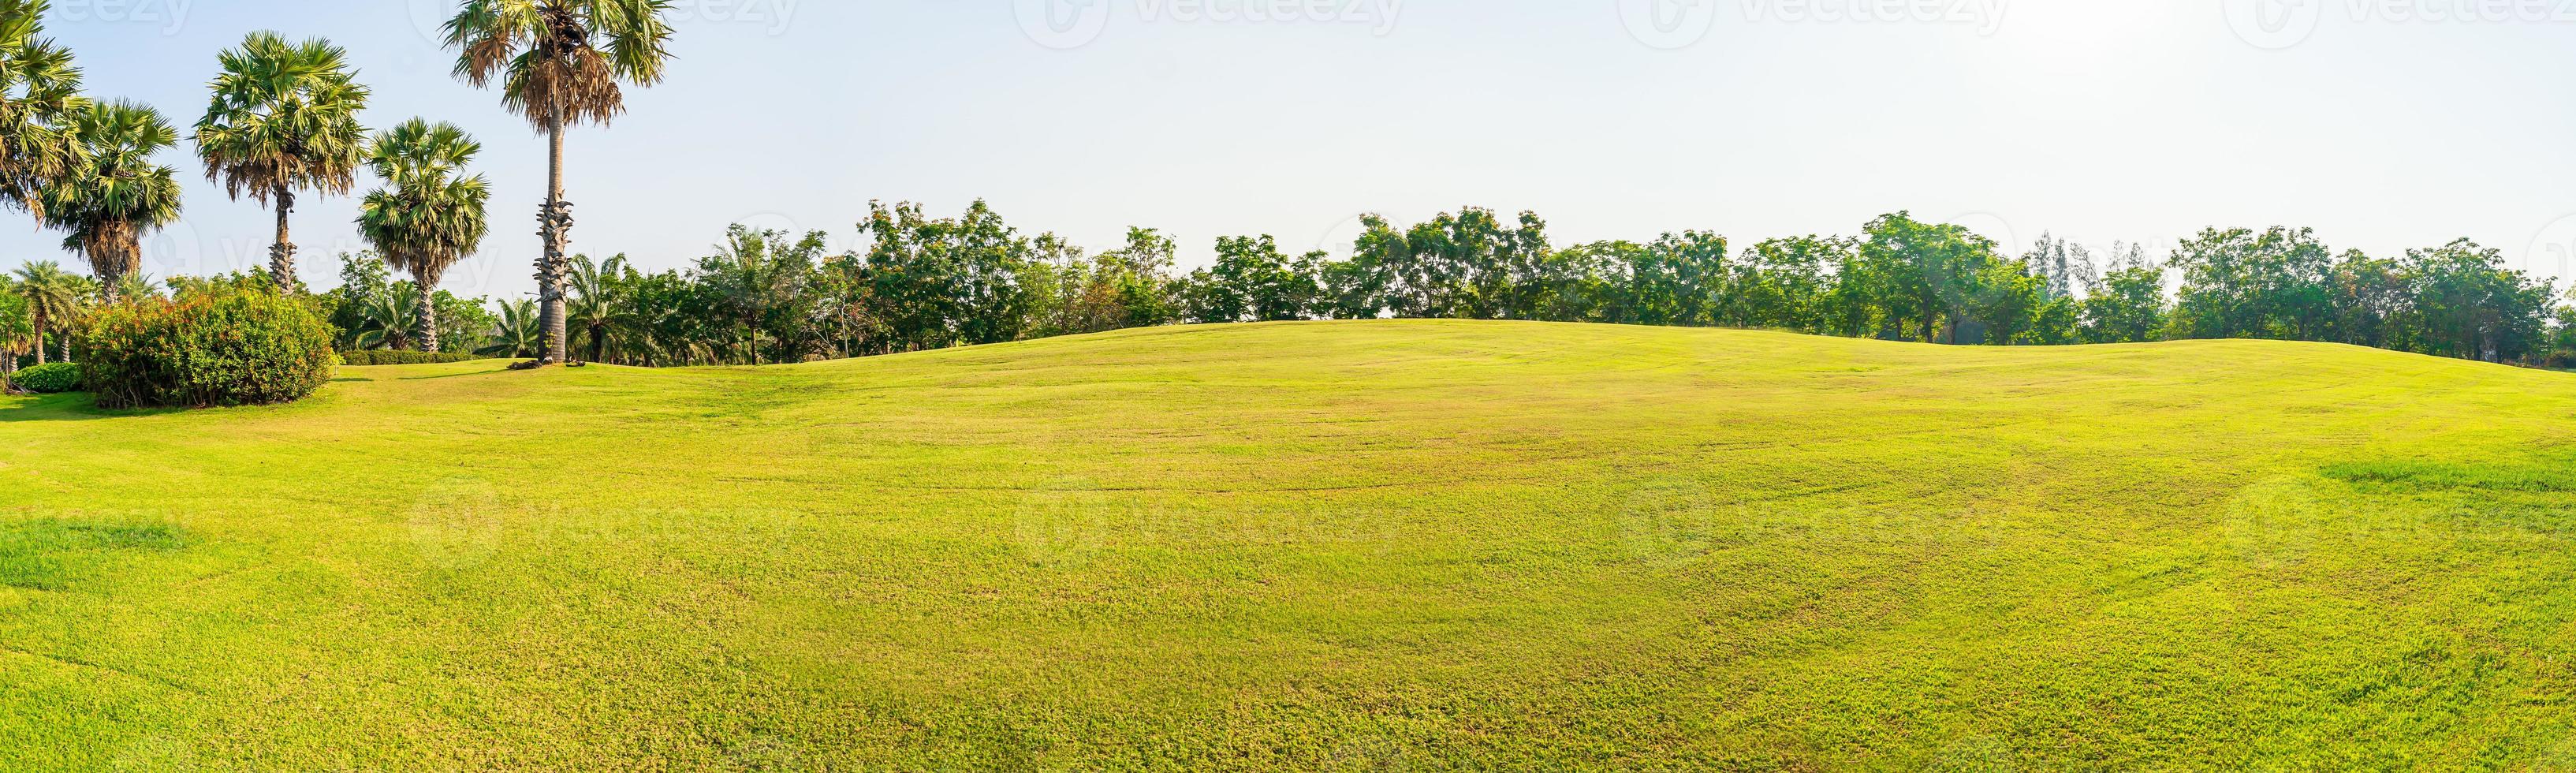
point(1325, 546)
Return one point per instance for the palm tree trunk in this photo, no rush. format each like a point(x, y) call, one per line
point(428, 311)
point(40, 337)
point(550, 293)
point(281, 256)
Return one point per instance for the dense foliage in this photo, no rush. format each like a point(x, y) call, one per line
point(49, 378)
point(205, 349)
point(925, 283)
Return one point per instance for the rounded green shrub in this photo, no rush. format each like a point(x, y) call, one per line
point(248, 347)
point(49, 378)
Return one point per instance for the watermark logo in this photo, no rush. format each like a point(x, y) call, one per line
point(2271, 525)
point(2278, 24)
point(2273, 25)
point(1069, 24)
point(2552, 252)
point(1675, 24)
point(1668, 24)
point(166, 17)
point(1062, 24)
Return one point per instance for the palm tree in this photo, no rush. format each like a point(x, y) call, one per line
point(284, 118)
point(560, 63)
point(16, 330)
point(53, 300)
point(518, 333)
point(115, 194)
point(597, 307)
point(39, 90)
point(755, 273)
point(429, 216)
point(136, 286)
point(387, 321)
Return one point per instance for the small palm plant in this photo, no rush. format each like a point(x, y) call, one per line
point(387, 320)
point(284, 118)
point(429, 215)
point(115, 193)
point(598, 307)
point(560, 63)
point(519, 333)
point(39, 92)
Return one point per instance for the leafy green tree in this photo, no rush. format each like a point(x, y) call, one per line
point(2241, 284)
point(938, 283)
point(2464, 303)
point(1783, 283)
point(429, 215)
point(2129, 307)
point(560, 63)
point(284, 118)
point(1251, 281)
point(115, 193)
point(1924, 273)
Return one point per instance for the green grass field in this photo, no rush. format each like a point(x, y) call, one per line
point(1334, 546)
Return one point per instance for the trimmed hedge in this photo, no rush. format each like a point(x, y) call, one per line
point(393, 357)
point(49, 378)
point(237, 348)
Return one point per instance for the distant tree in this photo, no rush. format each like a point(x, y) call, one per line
point(114, 193)
point(284, 118)
point(1251, 281)
point(2466, 304)
point(429, 215)
point(1929, 274)
point(2241, 284)
point(2129, 307)
point(760, 276)
point(53, 300)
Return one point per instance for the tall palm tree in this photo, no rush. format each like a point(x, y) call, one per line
point(116, 193)
point(39, 90)
point(284, 118)
point(53, 299)
point(429, 215)
point(560, 63)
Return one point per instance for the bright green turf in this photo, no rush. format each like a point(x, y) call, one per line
point(1378, 545)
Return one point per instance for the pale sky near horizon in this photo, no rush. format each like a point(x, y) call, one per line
point(2382, 126)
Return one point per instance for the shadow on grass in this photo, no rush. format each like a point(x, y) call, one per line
point(69, 406)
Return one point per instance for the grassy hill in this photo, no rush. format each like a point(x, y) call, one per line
point(1376, 545)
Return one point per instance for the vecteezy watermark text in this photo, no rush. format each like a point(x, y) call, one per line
point(2279, 24)
point(166, 16)
point(1673, 24)
point(1063, 24)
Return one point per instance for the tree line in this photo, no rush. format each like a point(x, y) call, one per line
point(922, 282)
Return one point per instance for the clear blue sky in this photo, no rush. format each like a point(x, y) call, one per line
point(2094, 119)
